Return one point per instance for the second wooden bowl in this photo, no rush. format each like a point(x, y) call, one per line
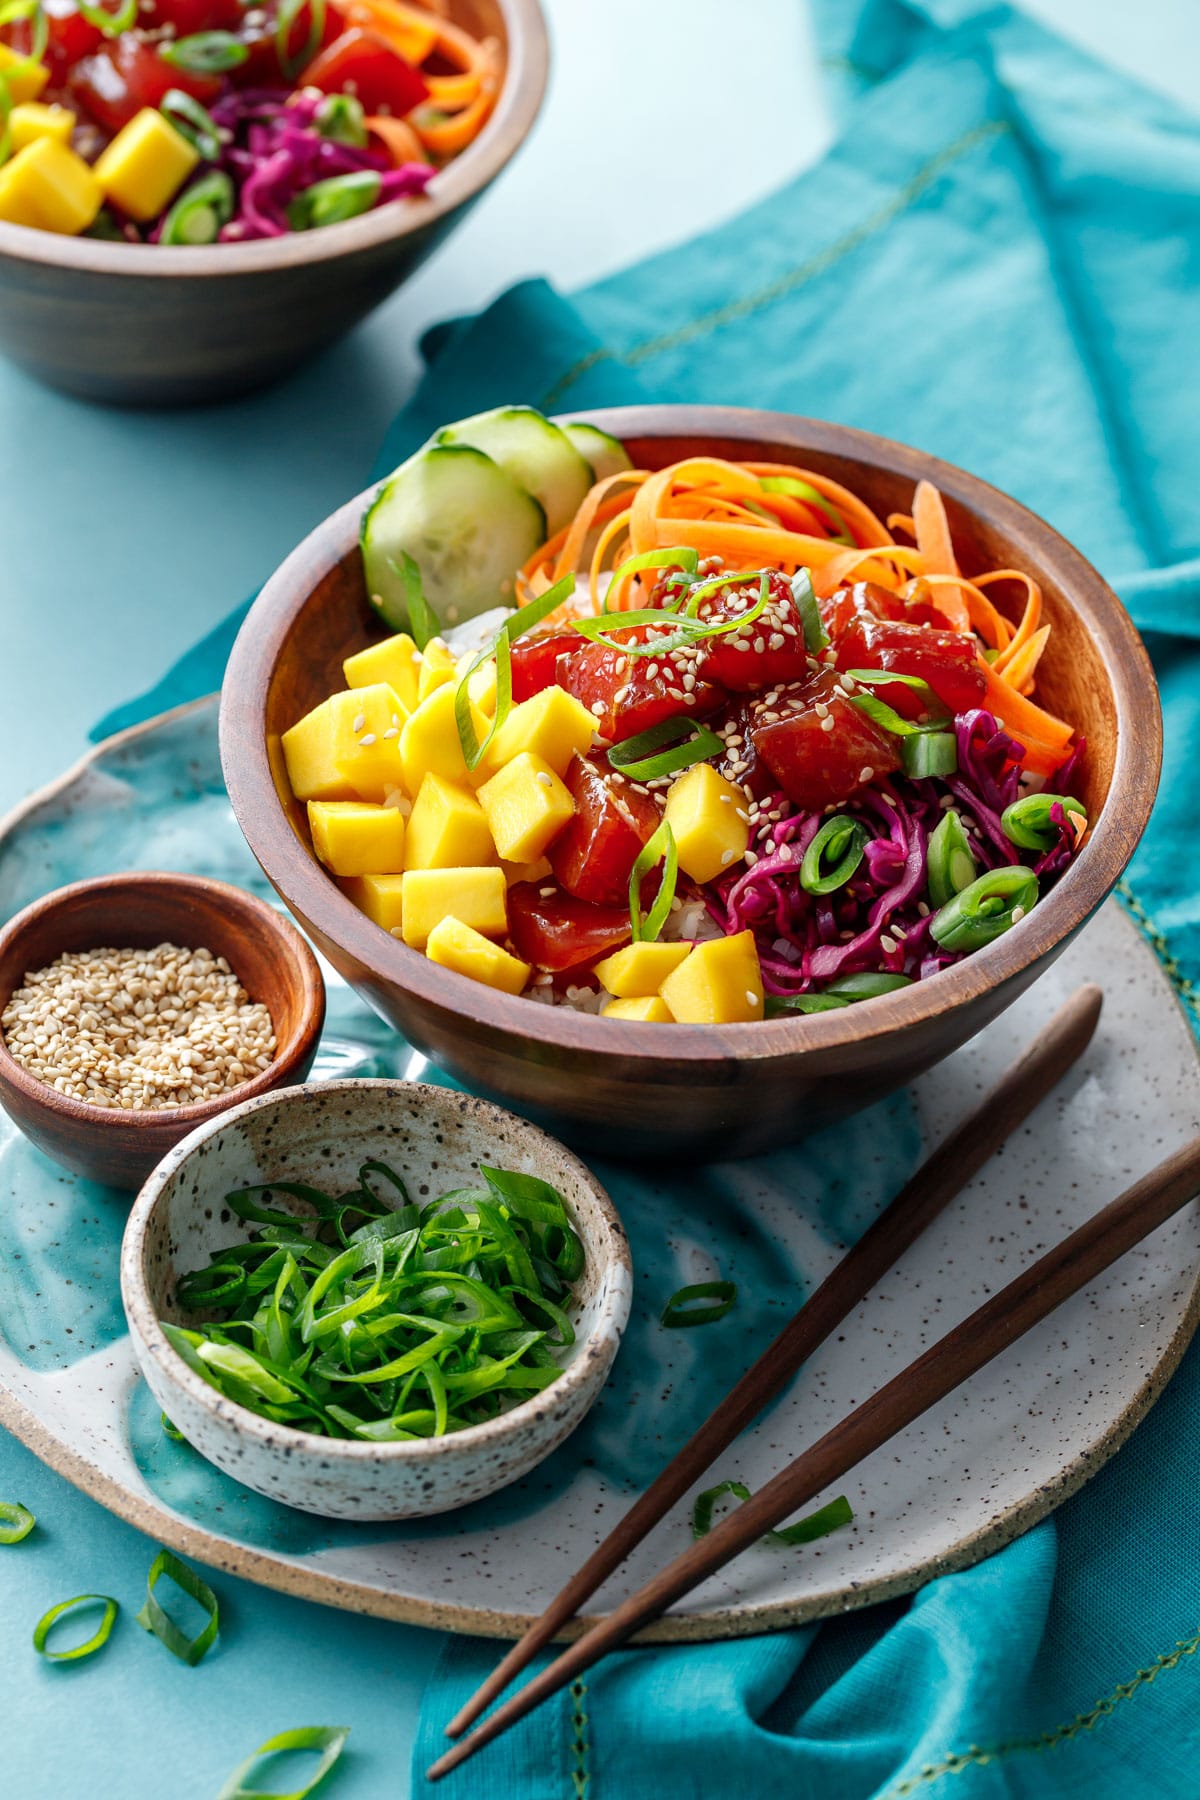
point(703, 1091)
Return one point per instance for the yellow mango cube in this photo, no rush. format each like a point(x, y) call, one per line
point(526, 806)
point(24, 78)
point(447, 828)
point(644, 1009)
point(437, 667)
point(33, 120)
point(145, 165)
point(534, 871)
point(48, 186)
point(475, 897)
point(353, 837)
point(552, 725)
point(640, 969)
point(348, 748)
point(430, 744)
point(312, 771)
point(708, 816)
point(720, 983)
point(456, 946)
point(395, 660)
point(381, 897)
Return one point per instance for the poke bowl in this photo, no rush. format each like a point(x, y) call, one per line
point(197, 196)
point(864, 927)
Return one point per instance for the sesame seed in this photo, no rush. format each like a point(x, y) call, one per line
point(827, 724)
point(364, 743)
point(391, 732)
point(598, 708)
point(547, 891)
point(1018, 914)
point(543, 779)
point(359, 723)
point(725, 799)
point(866, 774)
point(727, 857)
point(751, 997)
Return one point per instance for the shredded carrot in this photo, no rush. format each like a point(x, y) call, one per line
point(460, 103)
point(861, 520)
point(1019, 670)
point(934, 542)
point(399, 139)
point(411, 34)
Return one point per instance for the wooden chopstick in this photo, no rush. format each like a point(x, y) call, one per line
point(1038, 1069)
point(989, 1330)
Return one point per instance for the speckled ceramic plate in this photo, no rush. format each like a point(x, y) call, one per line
point(972, 1474)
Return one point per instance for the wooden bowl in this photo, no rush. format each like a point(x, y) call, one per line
point(703, 1091)
point(141, 325)
point(265, 951)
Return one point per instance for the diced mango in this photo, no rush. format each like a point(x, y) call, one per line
point(534, 871)
point(646, 1009)
point(312, 771)
point(430, 742)
point(475, 897)
point(395, 660)
point(48, 186)
point(24, 78)
point(456, 946)
point(526, 806)
point(352, 837)
point(348, 748)
point(707, 815)
point(552, 725)
point(438, 666)
point(720, 983)
point(381, 897)
point(447, 828)
point(33, 120)
point(145, 165)
point(639, 969)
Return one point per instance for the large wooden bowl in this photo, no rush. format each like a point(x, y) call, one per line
point(680, 1089)
point(141, 325)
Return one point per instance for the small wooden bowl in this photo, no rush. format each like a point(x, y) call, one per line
point(265, 951)
point(137, 324)
point(702, 1091)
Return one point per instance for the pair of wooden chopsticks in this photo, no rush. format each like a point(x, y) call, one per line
point(957, 1356)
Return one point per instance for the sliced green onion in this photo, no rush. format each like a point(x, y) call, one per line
point(834, 854)
point(221, 1284)
point(289, 11)
point(685, 628)
point(778, 1006)
point(171, 1430)
point(886, 677)
point(153, 1619)
point(881, 714)
point(205, 52)
point(804, 490)
point(950, 866)
point(192, 121)
point(112, 24)
point(6, 106)
point(334, 200)
point(1027, 821)
point(515, 626)
point(98, 1639)
point(681, 557)
point(816, 638)
point(423, 622)
point(982, 912)
point(929, 753)
point(659, 847)
point(817, 1525)
point(33, 10)
point(16, 1522)
point(342, 118)
point(644, 757)
point(843, 992)
point(686, 1305)
point(327, 1740)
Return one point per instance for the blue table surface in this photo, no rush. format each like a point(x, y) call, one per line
point(127, 535)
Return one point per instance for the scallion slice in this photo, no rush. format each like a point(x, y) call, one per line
point(287, 14)
point(192, 121)
point(681, 557)
point(834, 854)
point(949, 864)
point(200, 211)
point(659, 847)
point(98, 1639)
point(805, 1531)
point(326, 1741)
point(816, 638)
point(342, 118)
point(645, 757)
point(914, 683)
point(1027, 822)
point(686, 1306)
point(804, 490)
point(171, 1430)
point(843, 992)
point(10, 12)
point(16, 1522)
point(524, 620)
point(153, 1619)
point(992, 905)
point(112, 24)
point(929, 753)
point(423, 622)
point(683, 627)
point(337, 198)
point(205, 52)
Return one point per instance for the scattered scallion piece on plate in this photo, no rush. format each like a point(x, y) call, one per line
point(158, 1622)
point(325, 1741)
point(16, 1522)
point(815, 1525)
point(98, 1639)
point(687, 1304)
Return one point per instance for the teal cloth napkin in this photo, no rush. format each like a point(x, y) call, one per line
point(997, 262)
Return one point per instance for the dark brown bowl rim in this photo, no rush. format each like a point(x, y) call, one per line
point(1085, 885)
point(303, 973)
point(528, 57)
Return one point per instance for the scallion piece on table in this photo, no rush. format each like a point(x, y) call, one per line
point(205, 52)
point(16, 1522)
point(524, 620)
point(192, 121)
point(805, 1531)
point(325, 1741)
point(337, 198)
point(155, 1620)
point(423, 622)
point(659, 847)
point(1028, 824)
point(703, 1303)
point(929, 753)
point(816, 638)
point(200, 211)
point(992, 904)
point(171, 1430)
point(804, 490)
point(834, 854)
point(98, 1639)
point(950, 867)
point(647, 755)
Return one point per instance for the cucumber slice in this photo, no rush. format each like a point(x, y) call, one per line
point(534, 452)
point(607, 455)
point(466, 524)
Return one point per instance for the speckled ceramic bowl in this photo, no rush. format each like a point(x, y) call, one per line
point(323, 1132)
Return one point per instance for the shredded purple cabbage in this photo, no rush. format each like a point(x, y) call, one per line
point(879, 921)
